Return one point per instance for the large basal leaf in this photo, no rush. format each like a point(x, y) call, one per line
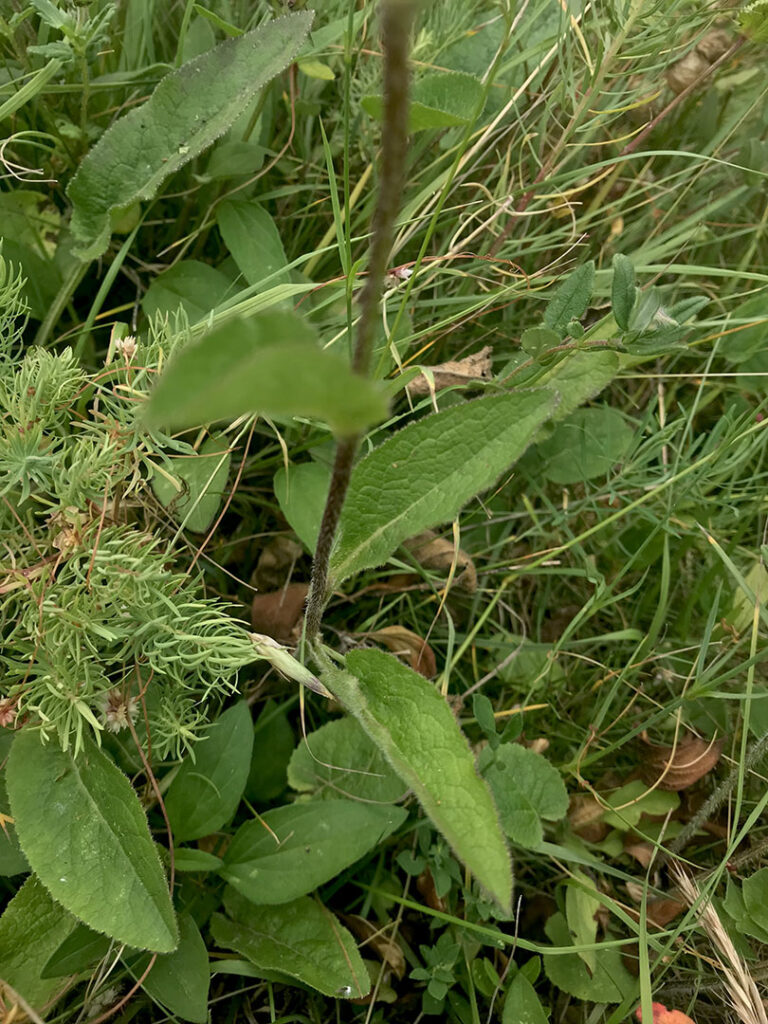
point(579, 377)
point(201, 481)
point(271, 364)
point(86, 837)
point(527, 789)
point(341, 759)
point(417, 732)
point(205, 794)
point(289, 851)
point(301, 939)
point(32, 927)
point(252, 238)
point(423, 475)
point(186, 113)
point(179, 981)
point(12, 860)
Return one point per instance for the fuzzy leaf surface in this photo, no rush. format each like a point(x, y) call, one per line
point(316, 841)
point(271, 364)
point(187, 112)
point(418, 734)
point(300, 939)
point(205, 794)
point(32, 927)
point(623, 290)
point(86, 837)
point(424, 474)
point(571, 298)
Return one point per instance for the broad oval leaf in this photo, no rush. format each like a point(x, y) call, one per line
point(340, 759)
point(32, 927)
point(527, 789)
point(609, 983)
point(291, 850)
point(409, 721)
point(205, 794)
point(301, 939)
point(270, 363)
point(186, 113)
point(421, 476)
point(179, 981)
point(201, 481)
point(585, 445)
point(86, 837)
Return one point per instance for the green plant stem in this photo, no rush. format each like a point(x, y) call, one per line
point(396, 19)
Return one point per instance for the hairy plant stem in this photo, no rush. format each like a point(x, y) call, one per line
point(396, 19)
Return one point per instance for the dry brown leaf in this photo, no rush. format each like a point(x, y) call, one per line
point(276, 563)
point(436, 552)
point(374, 938)
point(641, 850)
point(539, 746)
point(278, 612)
point(458, 371)
point(676, 768)
point(408, 645)
point(585, 815)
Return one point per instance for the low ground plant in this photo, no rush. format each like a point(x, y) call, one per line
point(382, 476)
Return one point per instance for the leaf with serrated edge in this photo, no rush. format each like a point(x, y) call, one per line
point(289, 851)
point(527, 788)
point(425, 473)
point(300, 939)
point(32, 927)
point(271, 364)
point(416, 731)
point(85, 835)
point(187, 112)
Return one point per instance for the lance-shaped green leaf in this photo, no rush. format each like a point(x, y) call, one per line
point(423, 475)
point(301, 939)
point(32, 927)
point(186, 113)
point(291, 850)
point(623, 290)
point(206, 792)
point(571, 298)
point(271, 364)
point(85, 835)
point(417, 732)
point(252, 237)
